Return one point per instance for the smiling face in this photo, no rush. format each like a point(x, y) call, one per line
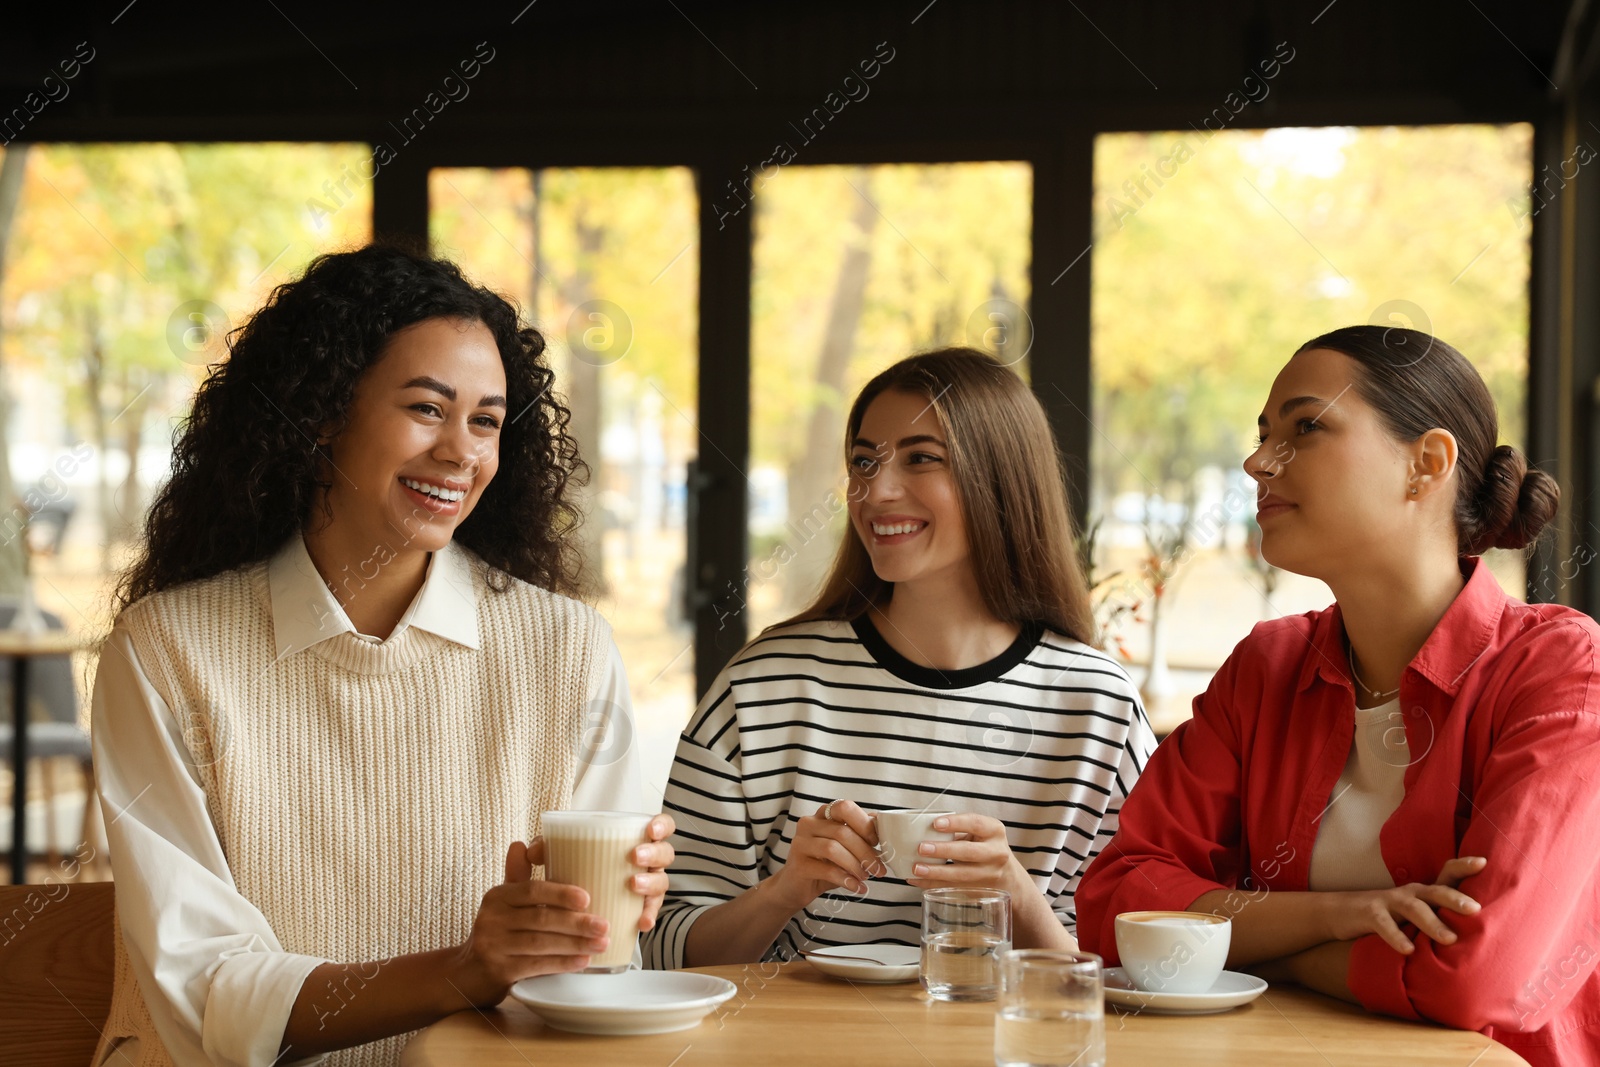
point(422, 438)
point(904, 504)
point(1333, 485)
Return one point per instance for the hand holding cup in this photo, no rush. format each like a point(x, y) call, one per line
point(901, 833)
point(525, 927)
point(980, 856)
point(832, 849)
point(655, 856)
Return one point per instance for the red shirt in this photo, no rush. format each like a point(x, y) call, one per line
point(1502, 717)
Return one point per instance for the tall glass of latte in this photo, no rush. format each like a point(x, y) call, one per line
point(589, 849)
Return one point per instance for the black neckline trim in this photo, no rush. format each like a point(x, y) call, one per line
point(934, 678)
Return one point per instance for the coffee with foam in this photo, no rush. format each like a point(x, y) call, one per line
point(589, 849)
point(1173, 951)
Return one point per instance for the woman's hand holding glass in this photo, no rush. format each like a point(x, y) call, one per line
point(655, 857)
point(526, 927)
point(836, 848)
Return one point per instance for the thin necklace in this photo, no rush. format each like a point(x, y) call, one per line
point(1350, 655)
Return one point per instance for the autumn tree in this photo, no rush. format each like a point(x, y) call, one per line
point(131, 262)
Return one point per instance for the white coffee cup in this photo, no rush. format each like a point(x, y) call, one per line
point(1173, 951)
point(589, 849)
point(901, 831)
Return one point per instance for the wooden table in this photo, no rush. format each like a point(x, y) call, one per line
point(21, 648)
point(794, 1015)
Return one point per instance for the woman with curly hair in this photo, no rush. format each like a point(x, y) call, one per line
point(1393, 799)
point(346, 677)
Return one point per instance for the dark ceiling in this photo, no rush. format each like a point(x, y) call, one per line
point(655, 79)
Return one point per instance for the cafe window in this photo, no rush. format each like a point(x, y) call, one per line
point(605, 261)
point(125, 267)
point(855, 268)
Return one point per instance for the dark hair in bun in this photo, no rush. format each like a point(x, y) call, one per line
point(1417, 383)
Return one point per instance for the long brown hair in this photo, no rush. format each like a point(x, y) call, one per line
point(1011, 486)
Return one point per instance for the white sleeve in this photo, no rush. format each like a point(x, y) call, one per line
point(215, 977)
point(608, 776)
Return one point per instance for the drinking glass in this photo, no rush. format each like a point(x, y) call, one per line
point(963, 933)
point(590, 849)
point(1052, 1010)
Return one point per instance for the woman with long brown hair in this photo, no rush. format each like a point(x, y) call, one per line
point(945, 665)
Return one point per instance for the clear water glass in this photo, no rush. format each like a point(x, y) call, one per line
point(1052, 1010)
point(964, 931)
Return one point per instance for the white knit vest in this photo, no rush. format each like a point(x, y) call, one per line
point(364, 794)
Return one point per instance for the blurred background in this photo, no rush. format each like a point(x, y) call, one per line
point(727, 220)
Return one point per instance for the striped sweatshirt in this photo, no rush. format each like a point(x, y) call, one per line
point(1048, 737)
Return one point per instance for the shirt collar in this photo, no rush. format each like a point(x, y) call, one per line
point(1456, 643)
point(306, 613)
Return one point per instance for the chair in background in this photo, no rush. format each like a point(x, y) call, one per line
point(55, 971)
point(53, 730)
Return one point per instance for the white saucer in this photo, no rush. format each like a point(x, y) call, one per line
point(895, 963)
point(1230, 990)
point(632, 1002)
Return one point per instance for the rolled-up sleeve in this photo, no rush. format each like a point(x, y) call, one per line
point(215, 977)
point(1534, 812)
point(1181, 819)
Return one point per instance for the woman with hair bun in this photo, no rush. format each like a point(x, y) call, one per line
point(1393, 799)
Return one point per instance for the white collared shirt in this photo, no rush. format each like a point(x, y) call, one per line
point(305, 611)
point(160, 835)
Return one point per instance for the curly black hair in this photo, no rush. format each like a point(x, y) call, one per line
point(246, 474)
